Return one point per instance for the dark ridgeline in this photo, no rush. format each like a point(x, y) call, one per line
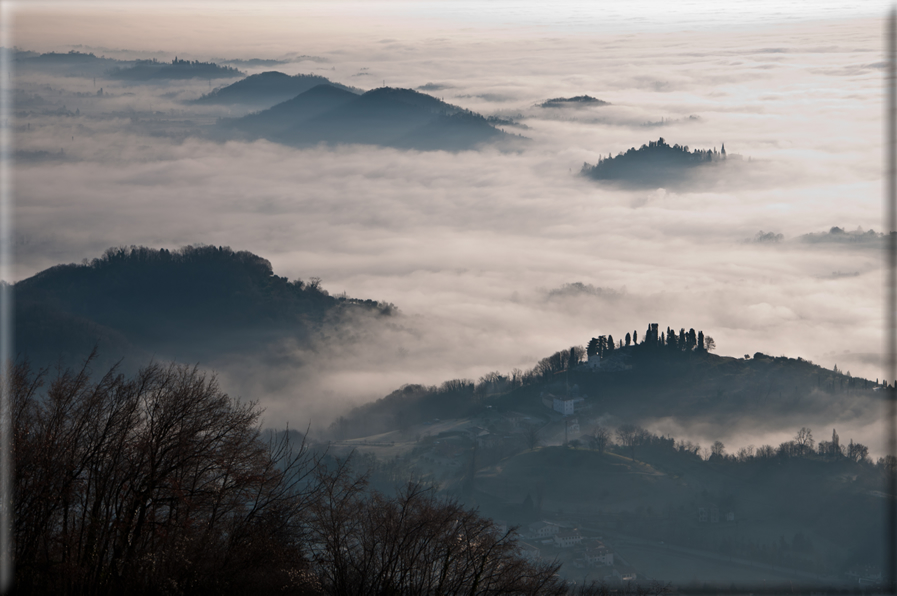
point(284, 116)
point(67, 63)
point(153, 70)
point(656, 164)
point(665, 374)
point(194, 302)
point(267, 89)
point(400, 118)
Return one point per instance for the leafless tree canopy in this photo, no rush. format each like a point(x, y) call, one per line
point(161, 484)
point(367, 543)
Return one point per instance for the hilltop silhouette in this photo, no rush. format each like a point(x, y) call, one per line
point(578, 101)
point(655, 164)
point(391, 117)
point(193, 302)
point(267, 89)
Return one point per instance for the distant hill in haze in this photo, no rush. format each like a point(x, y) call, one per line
point(153, 70)
point(656, 164)
point(63, 63)
point(391, 117)
point(267, 89)
point(272, 123)
point(578, 101)
point(191, 302)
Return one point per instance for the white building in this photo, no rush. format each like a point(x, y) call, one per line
point(564, 406)
point(543, 529)
point(567, 538)
point(599, 556)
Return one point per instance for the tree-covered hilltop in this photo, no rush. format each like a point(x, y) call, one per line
point(805, 502)
point(149, 70)
point(188, 301)
point(654, 164)
point(658, 374)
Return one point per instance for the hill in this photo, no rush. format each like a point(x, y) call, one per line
point(670, 379)
point(266, 89)
point(656, 164)
point(272, 122)
point(400, 118)
point(191, 302)
point(578, 101)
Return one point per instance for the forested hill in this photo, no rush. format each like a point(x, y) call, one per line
point(665, 376)
point(141, 300)
point(654, 164)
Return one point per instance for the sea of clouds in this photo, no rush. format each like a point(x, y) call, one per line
point(479, 249)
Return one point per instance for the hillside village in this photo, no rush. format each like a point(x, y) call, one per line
point(542, 458)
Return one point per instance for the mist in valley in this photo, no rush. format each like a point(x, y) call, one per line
point(482, 240)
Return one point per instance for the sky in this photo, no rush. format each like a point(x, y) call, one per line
point(494, 259)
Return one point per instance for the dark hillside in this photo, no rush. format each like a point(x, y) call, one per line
point(190, 300)
point(656, 164)
point(305, 106)
point(389, 117)
point(267, 89)
point(639, 384)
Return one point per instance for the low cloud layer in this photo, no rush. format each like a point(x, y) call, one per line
point(496, 259)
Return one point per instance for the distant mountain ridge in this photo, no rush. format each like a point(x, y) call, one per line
point(267, 89)
point(401, 118)
point(150, 70)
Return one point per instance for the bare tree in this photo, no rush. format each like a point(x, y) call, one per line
point(415, 543)
point(804, 440)
point(131, 485)
point(718, 449)
point(631, 436)
point(531, 436)
point(600, 438)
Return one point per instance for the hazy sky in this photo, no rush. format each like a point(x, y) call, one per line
point(477, 249)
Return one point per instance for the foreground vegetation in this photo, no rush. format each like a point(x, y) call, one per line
point(161, 484)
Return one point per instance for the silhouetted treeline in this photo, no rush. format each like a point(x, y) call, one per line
point(655, 373)
point(148, 70)
point(160, 484)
